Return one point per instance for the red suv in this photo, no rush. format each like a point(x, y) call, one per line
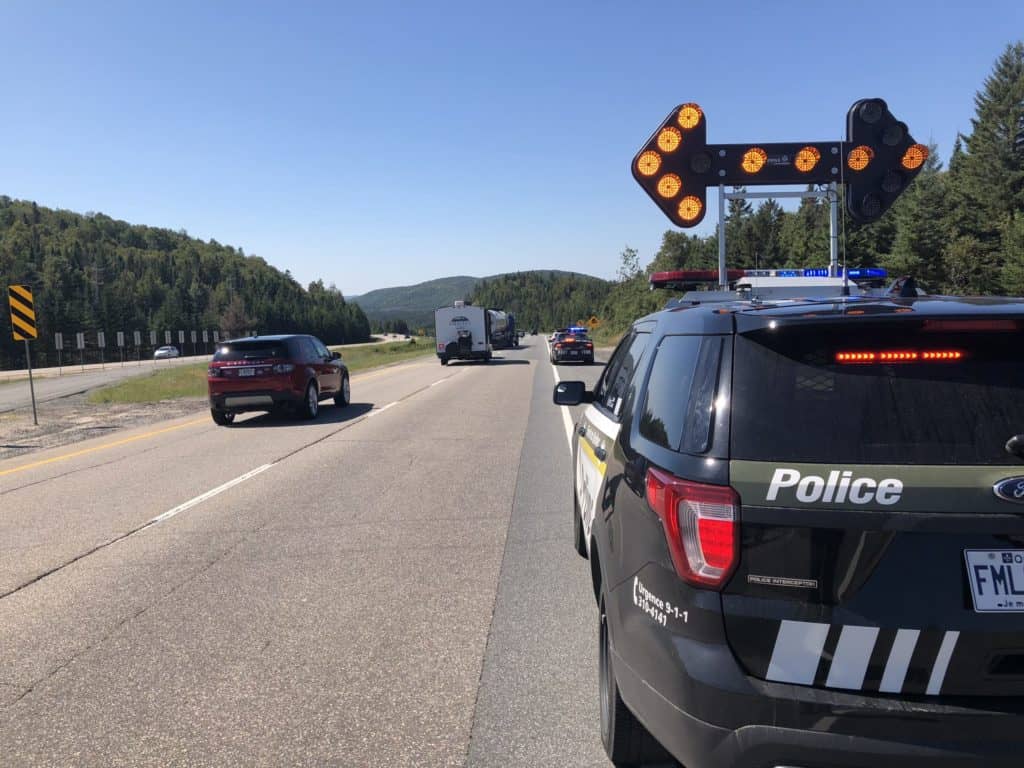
point(267, 373)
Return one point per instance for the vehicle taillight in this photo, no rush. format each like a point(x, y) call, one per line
point(213, 373)
point(284, 368)
point(590, 345)
point(701, 526)
point(558, 345)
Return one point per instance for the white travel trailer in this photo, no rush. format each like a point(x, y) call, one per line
point(463, 332)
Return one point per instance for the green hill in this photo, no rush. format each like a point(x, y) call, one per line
point(415, 304)
point(93, 273)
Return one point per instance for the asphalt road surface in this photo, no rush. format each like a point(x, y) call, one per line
point(392, 584)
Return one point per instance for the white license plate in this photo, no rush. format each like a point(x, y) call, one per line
point(997, 579)
point(246, 371)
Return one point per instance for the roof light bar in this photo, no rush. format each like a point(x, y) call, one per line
point(684, 276)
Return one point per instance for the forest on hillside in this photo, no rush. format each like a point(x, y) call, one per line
point(544, 300)
point(958, 229)
point(92, 273)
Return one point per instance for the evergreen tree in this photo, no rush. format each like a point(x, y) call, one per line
point(992, 168)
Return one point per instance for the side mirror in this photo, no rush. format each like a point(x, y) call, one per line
point(572, 393)
point(335, 355)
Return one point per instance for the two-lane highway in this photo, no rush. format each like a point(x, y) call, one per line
point(392, 584)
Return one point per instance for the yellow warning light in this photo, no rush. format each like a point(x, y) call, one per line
point(690, 208)
point(648, 163)
point(806, 159)
point(859, 157)
point(914, 157)
point(689, 116)
point(669, 185)
point(669, 139)
point(754, 160)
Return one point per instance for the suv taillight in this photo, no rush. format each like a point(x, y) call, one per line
point(212, 373)
point(701, 525)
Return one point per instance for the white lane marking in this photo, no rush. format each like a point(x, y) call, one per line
point(566, 418)
point(899, 661)
point(379, 411)
point(797, 650)
point(439, 381)
point(850, 661)
point(208, 495)
point(942, 663)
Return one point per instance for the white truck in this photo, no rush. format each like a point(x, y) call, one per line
point(463, 332)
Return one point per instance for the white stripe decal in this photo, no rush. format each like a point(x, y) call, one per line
point(797, 651)
point(605, 425)
point(850, 661)
point(942, 663)
point(899, 661)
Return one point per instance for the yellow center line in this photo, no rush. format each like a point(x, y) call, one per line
point(102, 447)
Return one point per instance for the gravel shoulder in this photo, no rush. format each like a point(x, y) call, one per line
point(70, 419)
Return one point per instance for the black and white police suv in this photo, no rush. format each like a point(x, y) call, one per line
point(805, 525)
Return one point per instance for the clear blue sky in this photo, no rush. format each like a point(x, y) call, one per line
point(384, 143)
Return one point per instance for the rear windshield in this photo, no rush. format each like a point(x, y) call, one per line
point(251, 350)
point(794, 401)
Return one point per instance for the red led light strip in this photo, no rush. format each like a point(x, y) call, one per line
point(901, 356)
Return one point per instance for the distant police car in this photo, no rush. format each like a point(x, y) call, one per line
point(805, 525)
point(572, 346)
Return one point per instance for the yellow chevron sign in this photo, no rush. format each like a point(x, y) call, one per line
point(23, 313)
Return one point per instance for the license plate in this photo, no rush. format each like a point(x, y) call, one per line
point(997, 579)
point(246, 371)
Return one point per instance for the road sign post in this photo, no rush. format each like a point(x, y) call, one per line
point(58, 342)
point(80, 346)
point(120, 346)
point(101, 342)
point(23, 328)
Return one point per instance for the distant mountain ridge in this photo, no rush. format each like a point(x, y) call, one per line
point(416, 303)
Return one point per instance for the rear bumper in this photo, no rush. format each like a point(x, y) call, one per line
point(254, 399)
point(786, 725)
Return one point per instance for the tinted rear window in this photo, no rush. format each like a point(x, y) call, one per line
point(251, 350)
point(793, 402)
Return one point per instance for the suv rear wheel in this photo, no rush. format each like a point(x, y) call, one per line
point(627, 742)
point(344, 396)
point(311, 402)
point(222, 418)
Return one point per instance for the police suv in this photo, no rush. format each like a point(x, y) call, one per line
point(805, 525)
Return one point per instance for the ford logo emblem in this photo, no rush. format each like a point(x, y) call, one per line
point(1011, 489)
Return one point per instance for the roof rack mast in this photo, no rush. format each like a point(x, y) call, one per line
point(825, 192)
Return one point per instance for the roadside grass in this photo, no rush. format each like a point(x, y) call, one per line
point(190, 380)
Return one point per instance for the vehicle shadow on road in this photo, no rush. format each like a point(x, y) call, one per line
point(329, 414)
point(508, 361)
